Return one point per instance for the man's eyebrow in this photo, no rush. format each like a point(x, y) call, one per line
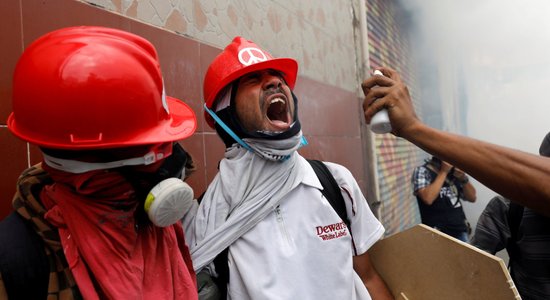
point(258, 73)
point(250, 75)
point(275, 72)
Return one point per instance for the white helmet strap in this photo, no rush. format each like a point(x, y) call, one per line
point(78, 167)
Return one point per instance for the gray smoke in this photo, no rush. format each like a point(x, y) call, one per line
point(494, 57)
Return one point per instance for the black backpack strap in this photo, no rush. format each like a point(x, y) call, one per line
point(331, 190)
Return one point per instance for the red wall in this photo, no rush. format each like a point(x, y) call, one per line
point(330, 116)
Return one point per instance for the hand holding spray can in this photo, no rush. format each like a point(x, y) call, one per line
point(380, 122)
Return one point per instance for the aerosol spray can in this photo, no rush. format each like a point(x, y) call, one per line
point(380, 122)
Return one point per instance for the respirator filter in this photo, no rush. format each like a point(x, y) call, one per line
point(168, 202)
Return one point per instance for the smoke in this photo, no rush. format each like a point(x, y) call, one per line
point(486, 65)
point(499, 51)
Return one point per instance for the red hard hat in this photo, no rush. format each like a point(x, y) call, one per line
point(93, 88)
point(237, 59)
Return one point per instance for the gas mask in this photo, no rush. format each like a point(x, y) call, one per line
point(171, 198)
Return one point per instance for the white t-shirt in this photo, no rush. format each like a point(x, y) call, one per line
point(303, 250)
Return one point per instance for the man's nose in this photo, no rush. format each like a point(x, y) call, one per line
point(271, 82)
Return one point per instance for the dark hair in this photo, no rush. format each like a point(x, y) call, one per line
point(544, 149)
point(436, 160)
point(433, 161)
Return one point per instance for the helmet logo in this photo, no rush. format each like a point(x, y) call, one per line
point(251, 55)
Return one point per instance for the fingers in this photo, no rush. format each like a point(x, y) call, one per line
point(446, 167)
point(459, 172)
point(446, 164)
point(375, 88)
point(371, 108)
point(391, 93)
point(390, 73)
point(375, 80)
point(374, 94)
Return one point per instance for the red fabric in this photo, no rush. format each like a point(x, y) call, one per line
point(108, 254)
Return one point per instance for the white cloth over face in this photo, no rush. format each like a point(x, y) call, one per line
point(248, 186)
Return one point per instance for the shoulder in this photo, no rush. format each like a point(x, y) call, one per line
point(341, 174)
point(498, 204)
point(345, 181)
point(496, 212)
point(348, 185)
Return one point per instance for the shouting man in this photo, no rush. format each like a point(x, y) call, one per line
point(265, 210)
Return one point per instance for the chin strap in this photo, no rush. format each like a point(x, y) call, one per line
point(304, 142)
point(227, 129)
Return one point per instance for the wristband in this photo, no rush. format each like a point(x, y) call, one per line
point(465, 180)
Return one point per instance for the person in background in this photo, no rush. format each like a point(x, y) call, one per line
point(525, 235)
point(439, 188)
point(519, 176)
point(265, 207)
point(85, 225)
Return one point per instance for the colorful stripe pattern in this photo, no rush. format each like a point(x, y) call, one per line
point(396, 157)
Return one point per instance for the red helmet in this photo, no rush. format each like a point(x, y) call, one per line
point(237, 59)
point(93, 88)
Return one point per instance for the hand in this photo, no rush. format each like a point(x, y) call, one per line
point(460, 175)
point(392, 94)
point(445, 167)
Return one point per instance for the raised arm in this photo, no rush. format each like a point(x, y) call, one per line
point(429, 193)
point(521, 177)
point(468, 190)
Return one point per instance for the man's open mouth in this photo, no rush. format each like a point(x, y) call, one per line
point(277, 111)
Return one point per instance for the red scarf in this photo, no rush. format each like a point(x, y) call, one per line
point(108, 254)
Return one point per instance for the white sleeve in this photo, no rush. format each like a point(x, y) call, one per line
point(188, 223)
point(365, 228)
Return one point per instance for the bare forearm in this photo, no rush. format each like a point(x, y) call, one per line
point(469, 192)
point(376, 286)
point(430, 192)
point(377, 289)
point(523, 178)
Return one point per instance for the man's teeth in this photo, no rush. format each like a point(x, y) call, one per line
point(277, 100)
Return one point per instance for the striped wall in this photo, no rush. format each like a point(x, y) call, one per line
point(396, 157)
